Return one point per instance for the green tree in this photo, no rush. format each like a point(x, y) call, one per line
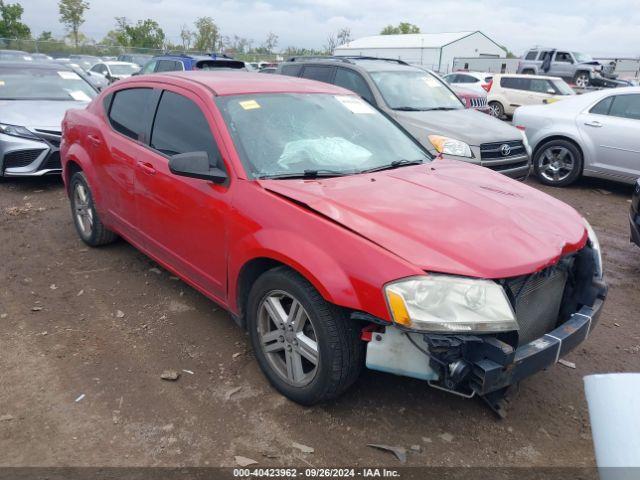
point(144, 34)
point(11, 25)
point(72, 16)
point(45, 36)
point(401, 29)
point(207, 35)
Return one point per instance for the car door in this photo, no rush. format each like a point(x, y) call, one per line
point(562, 65)
point(515, 91)
point(540, 90)
point(129, 115)
point(613, 128)
point(183, 220)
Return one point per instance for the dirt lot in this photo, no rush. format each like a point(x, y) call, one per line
point(105, 323)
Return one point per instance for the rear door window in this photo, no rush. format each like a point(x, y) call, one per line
point(531, 55)
point(514, 83)
point(168, 66)
point(181, 127)
point(626, 106)
point(128, 112)
point(322, 73)
point(353, 81)
point(292, 70)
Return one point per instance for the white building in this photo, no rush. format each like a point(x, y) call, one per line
point(432, 50)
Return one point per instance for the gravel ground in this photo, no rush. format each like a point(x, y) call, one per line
point(86, 333)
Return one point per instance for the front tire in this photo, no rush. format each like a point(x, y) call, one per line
point(558, 163)
point(309, 350)
point(85, 217)
point(581, 80)
point(496, 109)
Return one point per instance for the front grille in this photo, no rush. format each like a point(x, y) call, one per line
point(536, 299)
point(494, 151)
point(52, 161)
point(21, 158)
point(478, 102)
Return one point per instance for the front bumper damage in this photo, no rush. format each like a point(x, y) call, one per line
point(483, 365)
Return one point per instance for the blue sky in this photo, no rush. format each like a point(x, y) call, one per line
point(599, 27)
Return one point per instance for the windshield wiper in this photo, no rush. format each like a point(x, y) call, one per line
point(392, 165)
point(442, 109)
point(324, 173)
point(410, 109)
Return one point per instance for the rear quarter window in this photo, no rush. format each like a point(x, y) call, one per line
point(514, 83)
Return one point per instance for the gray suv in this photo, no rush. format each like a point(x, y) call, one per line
point(575, 67)
point(426, 107)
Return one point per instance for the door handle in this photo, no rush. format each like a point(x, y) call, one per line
point(147, 168)
point(593, 123)
point(94, 140)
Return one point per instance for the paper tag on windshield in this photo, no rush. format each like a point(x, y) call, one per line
point(432, 82)
point(1, 83)
point(69, 75)
point(249, 104)
point(355, 104)
point(80, 96)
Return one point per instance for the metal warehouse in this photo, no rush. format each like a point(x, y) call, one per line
point(433, 50)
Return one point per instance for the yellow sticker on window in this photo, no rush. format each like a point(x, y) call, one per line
point(249, 104)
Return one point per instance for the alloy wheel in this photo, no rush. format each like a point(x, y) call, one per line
point(495, 110)
point(582, 81)
point(83, 210)
point(556, 163)
point(287, 338)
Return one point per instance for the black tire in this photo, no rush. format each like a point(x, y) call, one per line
point(567, 175)
point(582, 79)
point(97, 234)
point(496, 109)
point(340, 350)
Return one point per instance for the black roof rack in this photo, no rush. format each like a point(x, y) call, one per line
point(344, 58)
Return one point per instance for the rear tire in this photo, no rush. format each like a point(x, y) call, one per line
point(290, 326)
point(85, 217)
point(496, 109)
point(558, 163)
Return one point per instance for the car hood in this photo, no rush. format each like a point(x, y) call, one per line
point(468, 125)
point(447, 216)
point(46, 114)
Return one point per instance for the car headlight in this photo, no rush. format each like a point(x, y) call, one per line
point(525, 142)
point(450, 146)
point(446, 303)
point(16, 131)
point(595, 246)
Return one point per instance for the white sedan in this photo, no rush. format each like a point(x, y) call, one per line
point(114, 70)
point(479, 82)
point(595, 134)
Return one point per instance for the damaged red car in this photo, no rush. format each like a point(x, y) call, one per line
point(329, 233)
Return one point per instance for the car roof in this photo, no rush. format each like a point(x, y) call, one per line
point(231, 82)
point(368, 64)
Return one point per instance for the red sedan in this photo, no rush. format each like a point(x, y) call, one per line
point(331, 234)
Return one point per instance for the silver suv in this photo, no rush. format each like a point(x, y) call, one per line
point(575, 67)
point(426, 107)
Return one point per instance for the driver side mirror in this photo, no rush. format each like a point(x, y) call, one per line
point(196, 165)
